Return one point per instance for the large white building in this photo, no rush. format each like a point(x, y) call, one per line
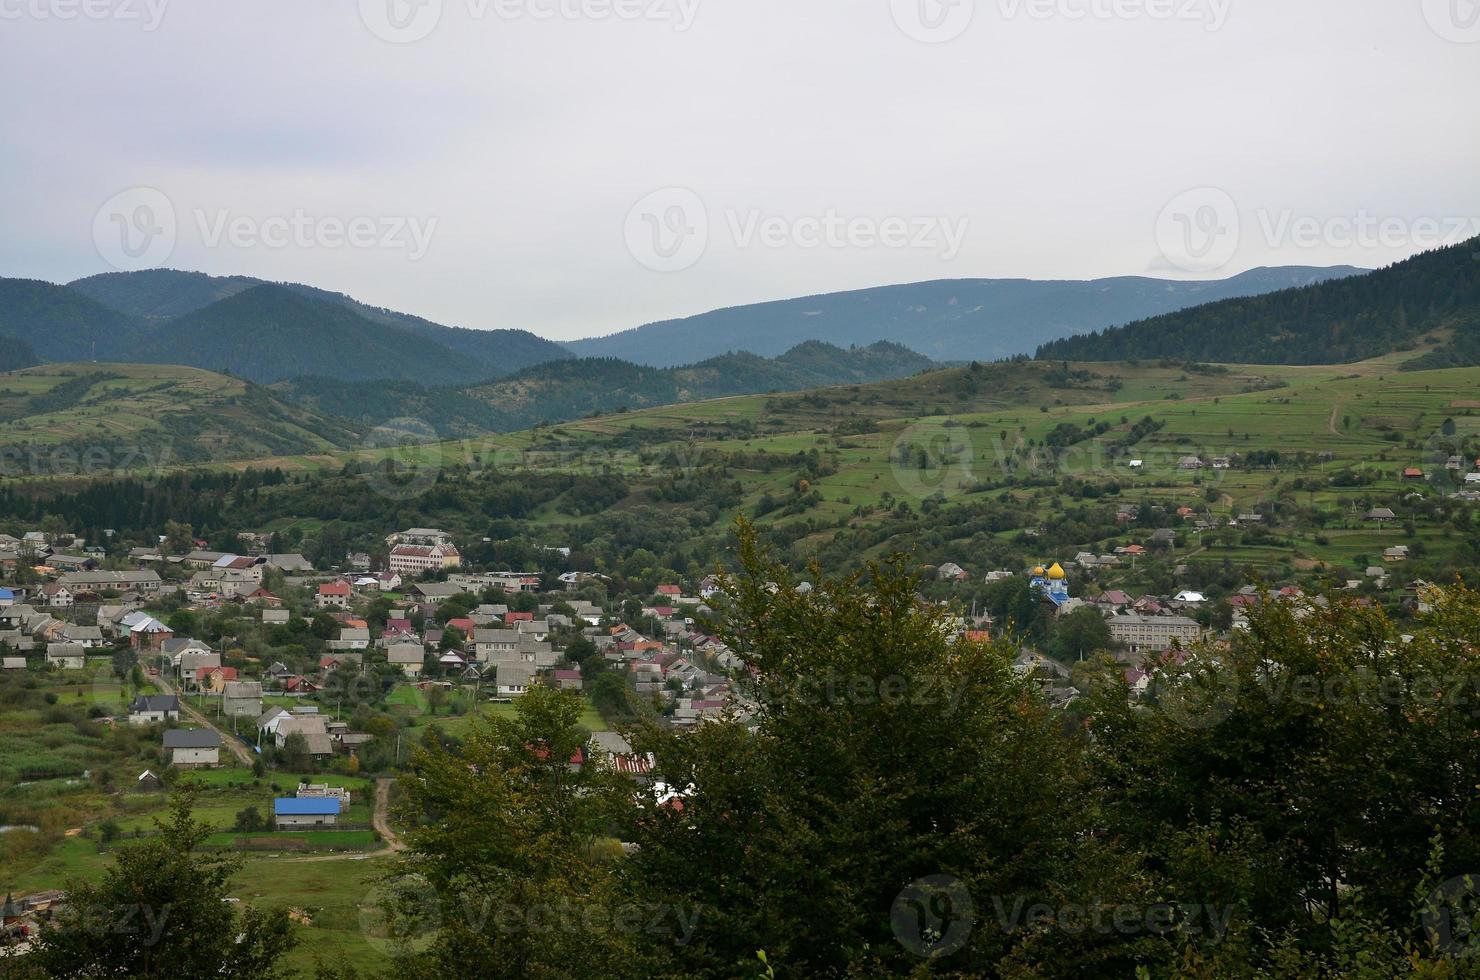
point(418, 559)
point(1153, 632)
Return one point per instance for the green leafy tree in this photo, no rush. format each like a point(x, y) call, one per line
point(507, 852)
point(160, 910)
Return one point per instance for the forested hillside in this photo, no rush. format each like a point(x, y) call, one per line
point(1394, 309)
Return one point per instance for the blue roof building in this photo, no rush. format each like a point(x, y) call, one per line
point(294, 811)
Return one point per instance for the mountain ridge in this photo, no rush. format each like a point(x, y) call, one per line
point(1385, 311)
point(944, 319)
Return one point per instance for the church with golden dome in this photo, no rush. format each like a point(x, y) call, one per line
point(1052, 583)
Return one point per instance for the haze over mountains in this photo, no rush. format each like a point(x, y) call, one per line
point(951, 319)
point(341, 359)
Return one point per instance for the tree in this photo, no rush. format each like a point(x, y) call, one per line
point(1307, 773)
point(249, 820)
point(879, 748)
point(505, 845)
point(295, 753)
point(178, 538)
point(1081, 633)
point(160, 910)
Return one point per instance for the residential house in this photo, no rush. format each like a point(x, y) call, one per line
point(66, 656)
point(193, 748)
point(148, 633)
point(242, 699)
point(87, 636)
point(352, 638)
point(493, 645)
point(409, 657)
point(314, 729)
point(213, 680)
point(154, 709)
point(514, 679)
point(334, 595)
point(56, 595)
point(1381, 514)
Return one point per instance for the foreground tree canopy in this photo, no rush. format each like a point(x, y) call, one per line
point(1304, 802)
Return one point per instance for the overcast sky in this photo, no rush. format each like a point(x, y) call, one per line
point(576, 167)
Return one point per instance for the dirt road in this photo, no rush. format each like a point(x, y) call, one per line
point(233, 743)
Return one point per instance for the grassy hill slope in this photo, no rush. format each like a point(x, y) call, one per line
point(60, 419)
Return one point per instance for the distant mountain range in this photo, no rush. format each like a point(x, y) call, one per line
point(1431, 298)
point(951, 320)
point(263, 332)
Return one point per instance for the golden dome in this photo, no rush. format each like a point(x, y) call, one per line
point(1037, 569)
point(1056, 572)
